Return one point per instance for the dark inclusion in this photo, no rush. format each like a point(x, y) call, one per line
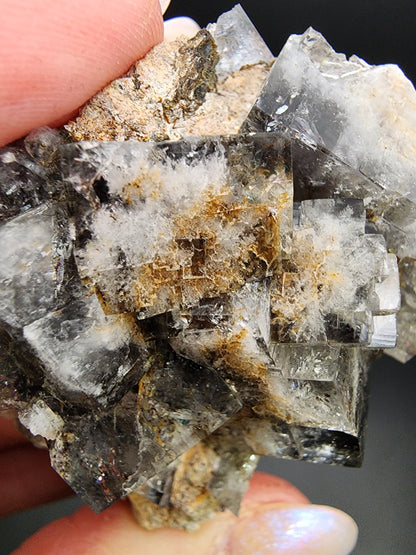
point(125, 369)
point(113, 437)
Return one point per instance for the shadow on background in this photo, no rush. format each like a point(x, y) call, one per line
point(381, 496)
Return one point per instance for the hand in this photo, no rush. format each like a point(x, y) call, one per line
point(275, 517)
point(54, 56)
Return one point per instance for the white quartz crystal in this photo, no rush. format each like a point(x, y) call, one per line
point(41, 420)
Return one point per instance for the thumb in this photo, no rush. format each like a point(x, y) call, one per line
point(275, 519)
point(55, 55)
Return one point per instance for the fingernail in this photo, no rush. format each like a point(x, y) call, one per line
point(293, 529)
point(164, 5)
point(180, 26)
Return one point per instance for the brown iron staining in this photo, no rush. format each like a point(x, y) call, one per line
point(189, 499)
point(213, 248)
point(249, 375)
point(198, 485)
point(218, 246)
point(229, 356)
point(301, 284)
point(228, 348)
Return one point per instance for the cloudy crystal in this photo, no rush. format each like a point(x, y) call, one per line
point(357, 124)
point(201, 266)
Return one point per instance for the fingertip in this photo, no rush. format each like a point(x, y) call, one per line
point(266, 488)
point(27, 479)
point(55, 57)
point(116, 531)
point(180, 26)
point(10, 436)
point(112, 531)
point(78, 533)
point(292, 529)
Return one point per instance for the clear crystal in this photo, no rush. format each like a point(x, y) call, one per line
point(353, 128)
point(174, 305)
point(238, 42)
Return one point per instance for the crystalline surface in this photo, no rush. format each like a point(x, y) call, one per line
point(324, 294)
point(345, 115)
point(178, 297)
point(180, 403)
point(325, 97)
point(96, 451)
point(203, 230)
point(83, 351)
point(238, 42)
point(28, 173)
point(41, 420)
point(26, 267)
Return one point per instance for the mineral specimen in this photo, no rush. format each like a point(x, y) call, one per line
point(200, 267)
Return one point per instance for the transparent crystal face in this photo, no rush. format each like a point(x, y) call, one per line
point(174, 305)
point(347, 117)
point(211, 217)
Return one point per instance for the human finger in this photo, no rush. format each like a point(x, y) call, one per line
point(10, 436)
point(27, 479)
point(180, 26)
point(275, 526)
point(55, 55)
point(26, 476)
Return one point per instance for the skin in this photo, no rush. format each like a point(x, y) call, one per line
point(55, 55)
point(27, 480)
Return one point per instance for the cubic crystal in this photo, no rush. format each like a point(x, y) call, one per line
point(200, 268)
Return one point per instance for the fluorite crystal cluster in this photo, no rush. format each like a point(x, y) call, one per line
point(199, 269)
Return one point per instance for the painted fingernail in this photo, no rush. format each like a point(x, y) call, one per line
point(164, 5)
point(180, 26)
point(294, 529)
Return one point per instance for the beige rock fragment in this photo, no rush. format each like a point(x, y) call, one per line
point(171, 93)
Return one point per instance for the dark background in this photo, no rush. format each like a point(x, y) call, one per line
point(380, 31)
point(381, 496)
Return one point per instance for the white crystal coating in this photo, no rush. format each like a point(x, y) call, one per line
point(350, 116)
point(41, 420)
point(370, 119)
point(365, 115)
point(84, 351)
point(328, 247)
point(141, 233)
point(172, 210)
point(306, 362)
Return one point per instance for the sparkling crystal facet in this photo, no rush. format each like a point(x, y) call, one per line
point(200, 268)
